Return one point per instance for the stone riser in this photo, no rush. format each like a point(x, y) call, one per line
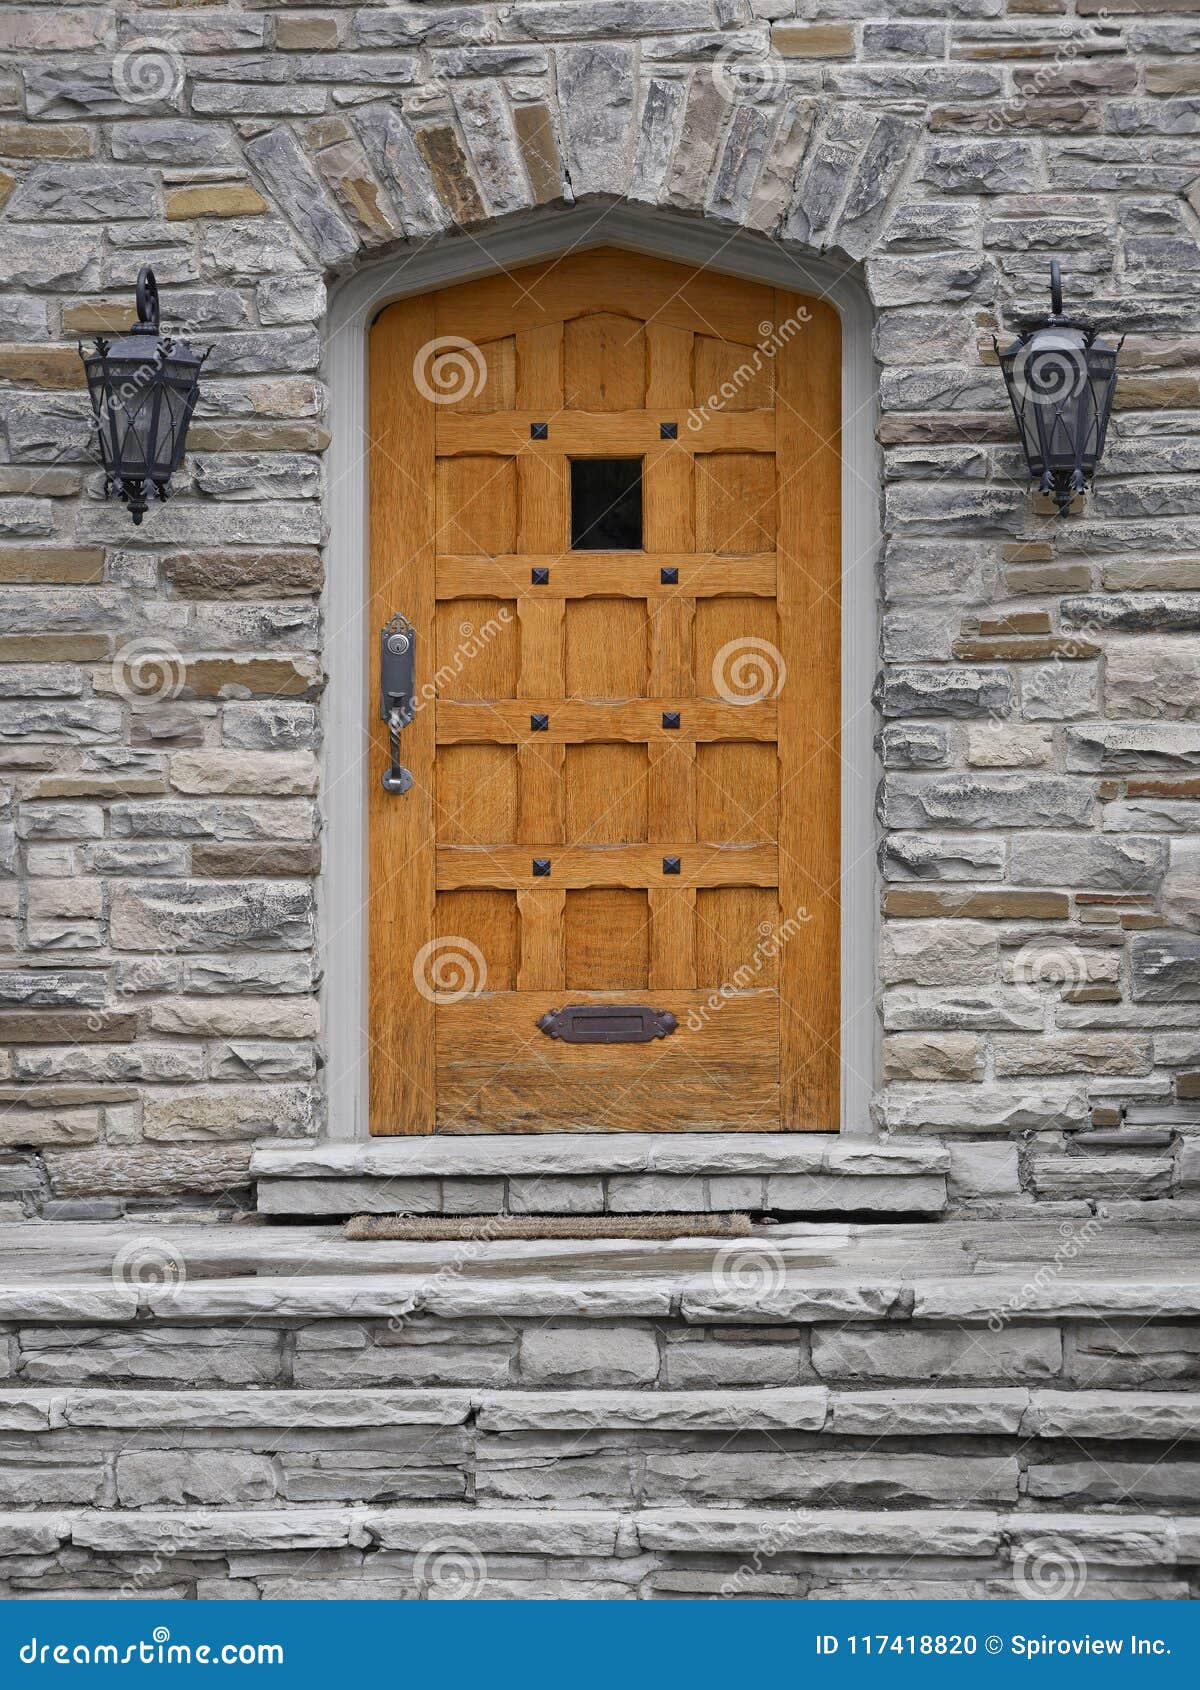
point(597, 1353)
point(1037, 1450)
point(432, 1553)
point(891, 1410)
point(601, 1174)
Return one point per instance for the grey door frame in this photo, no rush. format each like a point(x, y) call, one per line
point(353, 306)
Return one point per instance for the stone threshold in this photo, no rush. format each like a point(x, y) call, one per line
point(600, 1173)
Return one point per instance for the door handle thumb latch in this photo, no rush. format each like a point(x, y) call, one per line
point(398, 693)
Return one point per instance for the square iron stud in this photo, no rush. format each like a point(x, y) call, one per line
point(668, 576)
point(668, 431)
point(539, 431)
point(671, 865)
point(670, 718)
point(540, 577)
point(539, 724)
point(541, 867)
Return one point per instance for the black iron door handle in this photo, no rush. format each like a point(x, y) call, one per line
point(398, 693)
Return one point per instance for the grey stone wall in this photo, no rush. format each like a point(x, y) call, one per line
point(160, 713)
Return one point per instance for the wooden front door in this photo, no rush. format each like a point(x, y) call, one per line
point(605, 491)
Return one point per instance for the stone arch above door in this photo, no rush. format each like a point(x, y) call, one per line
point(730, 139)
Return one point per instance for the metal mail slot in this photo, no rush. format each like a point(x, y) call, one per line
point(607, 1024)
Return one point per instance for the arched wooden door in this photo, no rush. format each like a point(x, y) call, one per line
point(605, 493)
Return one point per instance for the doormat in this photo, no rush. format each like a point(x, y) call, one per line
point(486, 1229)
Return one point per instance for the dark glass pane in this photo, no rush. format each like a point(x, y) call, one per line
point(606, 504)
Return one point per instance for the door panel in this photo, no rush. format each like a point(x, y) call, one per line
point(625, 762)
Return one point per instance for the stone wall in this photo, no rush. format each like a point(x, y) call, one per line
point(160, 714)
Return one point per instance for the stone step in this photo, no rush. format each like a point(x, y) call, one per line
point(601, 1174)
point(136, 1449)
point(1161, 1416)
point(698, 1299)
point(397, 1553)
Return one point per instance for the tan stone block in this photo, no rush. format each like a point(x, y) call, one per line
point(1001, 904)
point(1000, 745)
point(1066, 649)
point(41, 366)
point(97, 317)
point(325, 132)
point(247, 677)
point(1160, 352)
point(48, 1126)
point(65, 1027)
point(933, 1056)
point(945, 428)
point(813, 40)
point(77, 898)
point(539, 149)
point(260, 862)
point(227, 199)
point(1048, 577)
point(284, 574)
point(451, 172)
point(257, 774)
point(235, 1018)
point(40, 566)
point(1157, 393)
point(240, 436)
point(44, 140)
point(1048, 117)
point(1173, 78)
point(43, 481)
point(348, 172)
point(309, 34)
point(1016, 622)
point(54, 648)
point(7, 183)
point(1164, 574)
point(96, 786)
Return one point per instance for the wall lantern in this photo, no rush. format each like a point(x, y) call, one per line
point(1060, 380)
point(143, 388)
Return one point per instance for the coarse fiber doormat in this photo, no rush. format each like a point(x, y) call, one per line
point(420, 1229)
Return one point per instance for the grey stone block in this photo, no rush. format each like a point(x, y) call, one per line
point(579, 1356)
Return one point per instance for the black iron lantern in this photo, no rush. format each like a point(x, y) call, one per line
point(143, 388)
point(1061, 381)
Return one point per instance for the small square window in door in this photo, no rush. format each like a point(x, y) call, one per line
point(606, 504)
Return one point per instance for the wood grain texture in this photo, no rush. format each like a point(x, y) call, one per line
point(700, 864)
point(808, 374)
point(740, 512)
point(401, 854)
point(717, 1073)
point(607, 575)
point(574, 721)
point(603, 434)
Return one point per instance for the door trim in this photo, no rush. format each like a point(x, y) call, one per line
point(353, 306)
